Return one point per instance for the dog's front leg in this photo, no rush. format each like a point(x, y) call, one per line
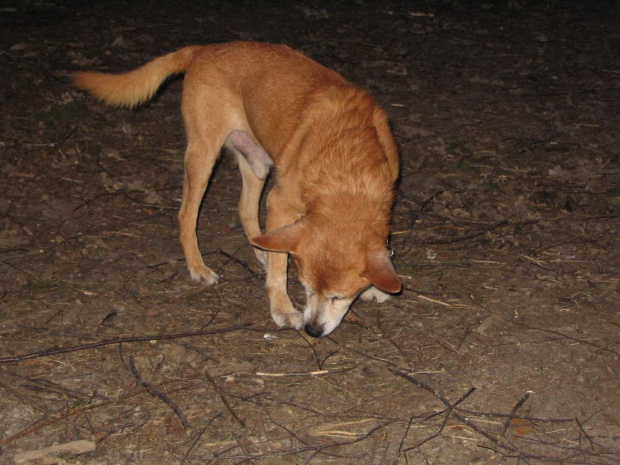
point(282, 310)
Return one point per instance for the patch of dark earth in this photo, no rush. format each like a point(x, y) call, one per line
point(502, 347)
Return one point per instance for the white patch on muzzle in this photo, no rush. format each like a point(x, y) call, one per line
point(322, 314)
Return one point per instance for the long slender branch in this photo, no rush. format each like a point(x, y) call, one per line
point(119, 340)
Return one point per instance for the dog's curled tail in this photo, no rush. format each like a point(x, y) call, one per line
point(137, 86)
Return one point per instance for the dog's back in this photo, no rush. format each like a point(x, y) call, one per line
point(273, 86)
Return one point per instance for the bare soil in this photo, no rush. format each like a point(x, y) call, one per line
point(504, 344)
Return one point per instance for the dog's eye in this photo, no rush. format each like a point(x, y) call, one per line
point(335, 298)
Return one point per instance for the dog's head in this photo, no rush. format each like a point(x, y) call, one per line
point(336, 260)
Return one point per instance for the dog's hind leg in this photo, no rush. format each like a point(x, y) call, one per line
point(249, 204)
point(200, 157)
point(254, 165)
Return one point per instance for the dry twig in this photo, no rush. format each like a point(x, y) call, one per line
point(157, 393)
point(118, 340)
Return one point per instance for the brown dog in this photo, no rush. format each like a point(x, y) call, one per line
point(334, 156)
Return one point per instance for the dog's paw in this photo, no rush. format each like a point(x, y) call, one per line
point(284, 314)
point(372, 294)
point(282, 310)
point(204, 275)
point(293, 319)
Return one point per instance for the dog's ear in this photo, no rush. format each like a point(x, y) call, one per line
point(284, 239)
point(380, 271)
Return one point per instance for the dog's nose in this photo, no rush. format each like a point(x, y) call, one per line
point(314, 331)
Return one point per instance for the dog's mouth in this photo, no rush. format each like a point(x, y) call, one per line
point(323, 315)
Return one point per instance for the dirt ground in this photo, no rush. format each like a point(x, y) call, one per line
point(504, 344)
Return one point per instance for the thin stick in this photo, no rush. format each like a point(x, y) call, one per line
point(159, 394)
point(455, 414)
point(284, 375)
point(513, 412)
point(198, 436)
point(118, 340)
point(223, 399)
point(438, 302)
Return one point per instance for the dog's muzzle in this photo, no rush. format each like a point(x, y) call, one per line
point(314, 331)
